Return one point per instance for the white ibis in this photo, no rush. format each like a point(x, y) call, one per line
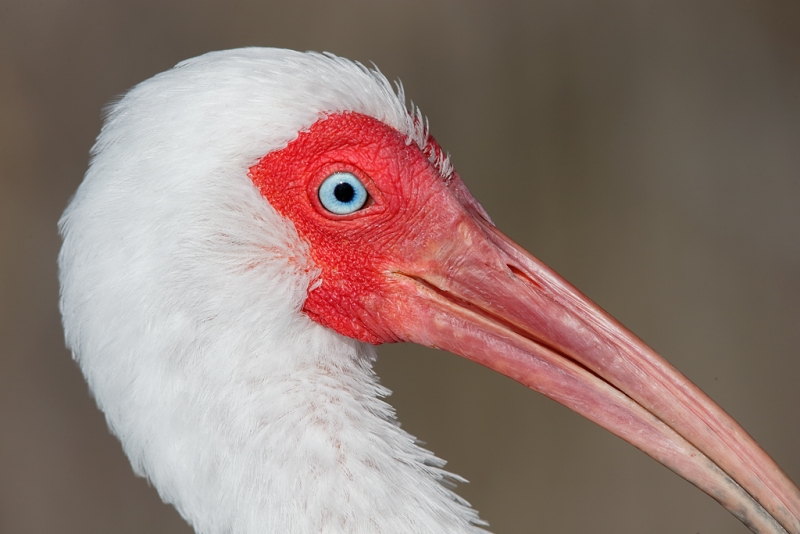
point(252, 223)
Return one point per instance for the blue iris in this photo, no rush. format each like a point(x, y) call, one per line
point(342, 193)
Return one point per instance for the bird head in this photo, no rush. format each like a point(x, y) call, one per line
point(249, 202)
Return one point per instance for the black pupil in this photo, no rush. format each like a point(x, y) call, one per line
point(344, 192)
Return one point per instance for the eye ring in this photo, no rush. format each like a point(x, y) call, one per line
point(342, 193)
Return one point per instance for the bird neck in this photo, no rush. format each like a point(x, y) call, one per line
point(297, 441)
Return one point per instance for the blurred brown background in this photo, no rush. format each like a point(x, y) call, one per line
point(648, 151)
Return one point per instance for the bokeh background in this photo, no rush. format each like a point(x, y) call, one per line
point(648, 151)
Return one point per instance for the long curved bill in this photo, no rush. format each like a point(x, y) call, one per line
point(478, 294)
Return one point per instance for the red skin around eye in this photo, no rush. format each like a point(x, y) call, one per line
point(353, 251)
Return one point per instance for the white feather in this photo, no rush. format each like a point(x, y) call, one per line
point(181, 295)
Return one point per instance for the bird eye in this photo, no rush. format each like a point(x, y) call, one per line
point(342, 193)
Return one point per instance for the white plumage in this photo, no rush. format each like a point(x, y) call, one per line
point(181, 297)
point(187, 300)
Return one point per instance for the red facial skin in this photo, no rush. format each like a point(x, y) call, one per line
point(421, 262)
point(355, 252)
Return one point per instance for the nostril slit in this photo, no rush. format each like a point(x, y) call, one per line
point(519, 273)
